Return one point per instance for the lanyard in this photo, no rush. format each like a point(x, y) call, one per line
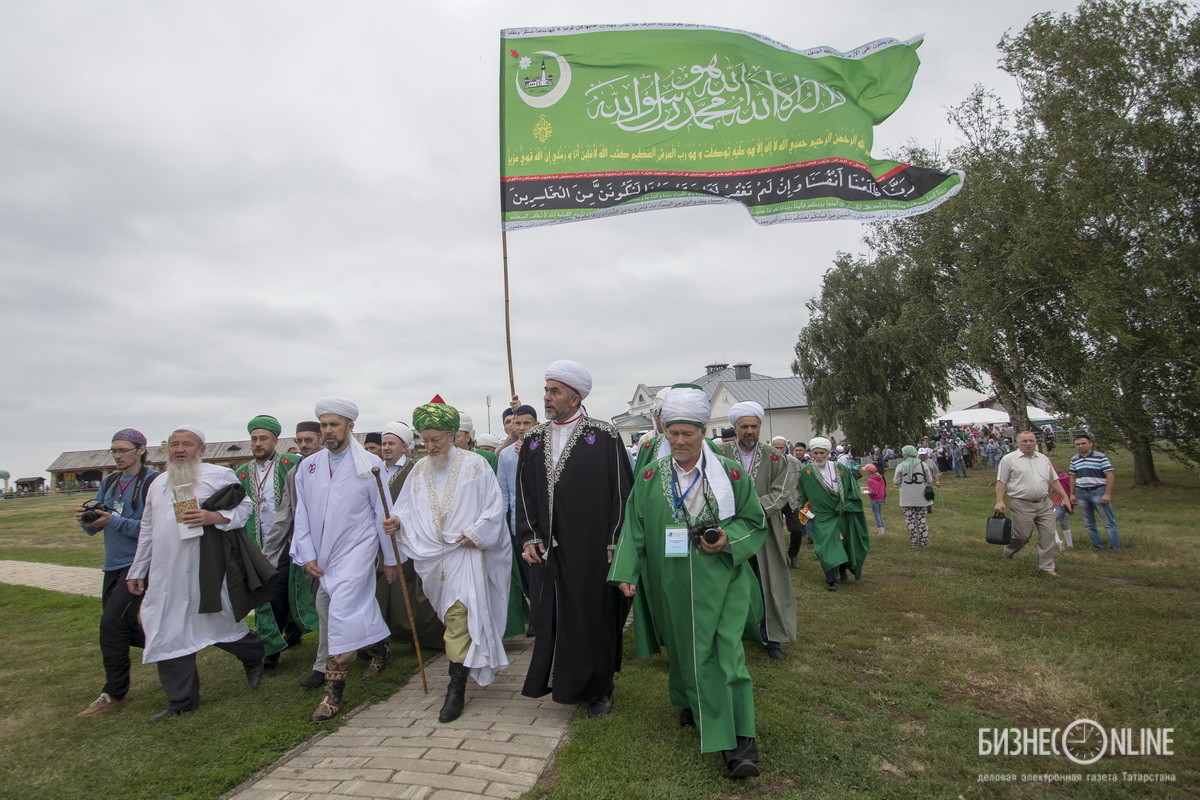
point(258, 485)
point(121, 489)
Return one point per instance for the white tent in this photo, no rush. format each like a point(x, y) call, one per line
point(993, 416)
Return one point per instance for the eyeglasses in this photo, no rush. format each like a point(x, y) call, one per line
point(120, 451)
point(427, 440)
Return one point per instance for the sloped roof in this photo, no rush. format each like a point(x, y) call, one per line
point(627, 420)
point(711, 380)
point(770, 393)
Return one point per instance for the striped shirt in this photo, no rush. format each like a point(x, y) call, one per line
point(1089, 470)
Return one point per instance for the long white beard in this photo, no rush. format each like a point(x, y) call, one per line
point(439, 463)
point(180, 474)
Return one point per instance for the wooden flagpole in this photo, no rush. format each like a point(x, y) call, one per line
point(512, 383)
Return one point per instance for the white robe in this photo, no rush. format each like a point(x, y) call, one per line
point(435, 508)
point(171, 608)
point(339, 524)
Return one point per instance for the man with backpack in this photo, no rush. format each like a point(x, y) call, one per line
point(123, 493)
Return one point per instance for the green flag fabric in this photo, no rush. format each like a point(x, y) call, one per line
point(602, 120)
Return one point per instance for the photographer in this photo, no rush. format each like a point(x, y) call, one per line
point(117, 510)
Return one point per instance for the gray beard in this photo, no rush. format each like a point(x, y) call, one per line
point(439, 463)
point(181, 474)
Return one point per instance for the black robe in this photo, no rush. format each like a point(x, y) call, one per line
point(580, 505)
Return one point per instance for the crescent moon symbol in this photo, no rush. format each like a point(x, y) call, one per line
point(554, 95)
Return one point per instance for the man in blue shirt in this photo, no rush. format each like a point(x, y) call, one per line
point(124, 492)
point(1092, 481)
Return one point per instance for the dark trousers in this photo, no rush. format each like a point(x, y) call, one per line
point(119, 630)
point(281, 602)
point(181, 680)
point(795, 530)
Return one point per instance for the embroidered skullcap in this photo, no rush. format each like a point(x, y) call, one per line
point(435, 417)
point(131, 435)
point(311, 426)
point(465, 423)
point(374, 438)
point(924, 451)
point(686, 402)
point(573, 374)
point(749, 408)
point(659, 396)
point(192, 429)
point(820, 443)
point(265, 422)
point(400, 431)
point(488, 440)
point(337, 405)
point(522, 410)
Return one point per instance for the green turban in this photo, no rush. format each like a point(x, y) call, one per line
point(435, 417)
point(266, 422)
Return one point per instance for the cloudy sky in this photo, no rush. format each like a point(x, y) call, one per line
point(214, 210)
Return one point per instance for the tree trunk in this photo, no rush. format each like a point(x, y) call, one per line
point(1143, 464)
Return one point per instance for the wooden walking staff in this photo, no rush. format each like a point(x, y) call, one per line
point(412, 624)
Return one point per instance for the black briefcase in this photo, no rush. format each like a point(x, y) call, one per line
point(999, 529)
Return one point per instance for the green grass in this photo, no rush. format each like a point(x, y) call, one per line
point(44, 529)
point(885, 691)
point(881, 697)
point(50, 669)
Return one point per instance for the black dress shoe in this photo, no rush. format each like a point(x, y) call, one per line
point(776, 654)
point(742, 769)
point(271, 661)
point(314, 680)
point(254, 673)
point(170, 712)
point(687, 719)
point(831, 587)
point(598, 708)
point(530, 631)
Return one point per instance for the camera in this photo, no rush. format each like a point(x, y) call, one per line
point(704, 534)
point(92, 510)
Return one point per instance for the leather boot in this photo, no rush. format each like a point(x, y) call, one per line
point(455, 693)
point(335, 684)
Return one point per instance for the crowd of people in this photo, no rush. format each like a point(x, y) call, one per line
point(427, 535)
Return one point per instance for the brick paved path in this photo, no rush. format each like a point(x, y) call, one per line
point(395, 749)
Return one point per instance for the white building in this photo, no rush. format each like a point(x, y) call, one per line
point(783, 398)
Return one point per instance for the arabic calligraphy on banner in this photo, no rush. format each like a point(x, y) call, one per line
point(611, 119)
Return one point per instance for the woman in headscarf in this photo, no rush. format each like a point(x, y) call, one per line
point(831, 492)
point(913, 477)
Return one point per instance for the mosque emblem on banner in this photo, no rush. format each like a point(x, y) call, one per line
point(542, 78)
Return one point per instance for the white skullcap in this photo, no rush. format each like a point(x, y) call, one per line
point(819, 443)
point(465, 423)
point(573, 374)
point(748, 408)
point(779, 439)
point(400, 431)
point(924, 451)
point(686, 403)
point(488, 440)
point(840, 449)
point(659, 396)
point(337, 405)
point(192, 429)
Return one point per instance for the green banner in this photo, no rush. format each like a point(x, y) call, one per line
point(601, 120)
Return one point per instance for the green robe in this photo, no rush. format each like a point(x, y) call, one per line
point(696, 605)
point(839, 527)
point(769, 473)
point(489, 457)
point(302, 610)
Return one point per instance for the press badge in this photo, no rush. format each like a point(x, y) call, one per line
point(677, 542)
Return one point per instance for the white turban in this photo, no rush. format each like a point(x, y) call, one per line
point(192, 429)
point(465, 423)
point(686, 403)
point(337, 405)
point(400, 431)
point(747, 409)
point(819, 442)
point(573, 374)
point(840, 449)
point(488, 440)
point(659, 396)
